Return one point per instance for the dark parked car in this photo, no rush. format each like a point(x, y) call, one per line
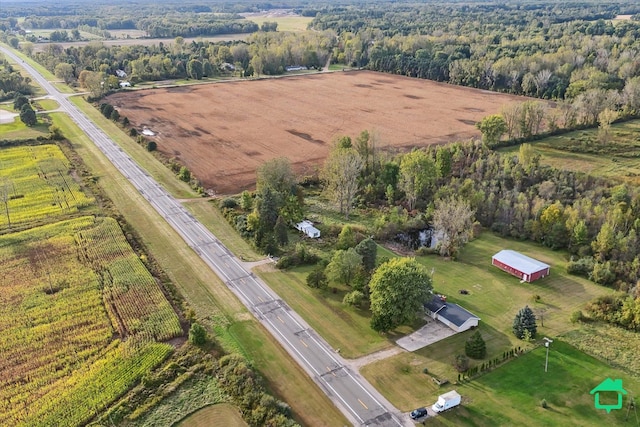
point(418, 413)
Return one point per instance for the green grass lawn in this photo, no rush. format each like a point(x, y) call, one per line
point(511, 395)
point(47, 104)
point(18, 130)
point(220, 414)
point(496, 296)
point(620, 158)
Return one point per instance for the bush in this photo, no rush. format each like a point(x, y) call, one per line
point(56, 133)
point(300, 256)
point(229, 203)
point(353, 298)
point(461, 363)
point(317, 278)
point(184, 174)
point(576, 316)
point(582, 267)
point(151, 145)
point(197, 334)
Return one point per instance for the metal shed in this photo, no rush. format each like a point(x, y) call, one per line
point(523, 267)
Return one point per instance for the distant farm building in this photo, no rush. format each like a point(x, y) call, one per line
point(296, 68)
point(452, 315)
point(121, 74)
point(307, 228)
point(525, 268)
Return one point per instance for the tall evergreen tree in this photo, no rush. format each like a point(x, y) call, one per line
point(368, 250)
point(282, 237)
point(525, 320)
point(27, 115)
point(475, 347)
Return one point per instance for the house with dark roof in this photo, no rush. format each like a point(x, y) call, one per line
point(523, 267)
point(452, 315)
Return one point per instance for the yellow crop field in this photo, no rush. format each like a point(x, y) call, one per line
point(80, 316)
point(35, 183)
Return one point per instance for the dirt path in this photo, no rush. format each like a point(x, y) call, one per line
point(326, 66)
point(373, 357)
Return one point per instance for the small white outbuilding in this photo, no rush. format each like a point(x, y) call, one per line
point(307, 228)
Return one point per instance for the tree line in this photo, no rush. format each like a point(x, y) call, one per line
point(12, 83)
point(157, 19)
point(264, 53)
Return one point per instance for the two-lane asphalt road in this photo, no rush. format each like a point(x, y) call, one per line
point(351, 393)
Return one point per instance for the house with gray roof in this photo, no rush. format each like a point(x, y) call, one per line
point(452, 315)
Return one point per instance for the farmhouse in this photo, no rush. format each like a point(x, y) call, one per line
point(525, 268)
point(452, 315)
point(307, 228)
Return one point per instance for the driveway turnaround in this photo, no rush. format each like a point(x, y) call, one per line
point(352, 394)
point(433, 331)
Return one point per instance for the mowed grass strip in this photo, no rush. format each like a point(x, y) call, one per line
point(211, 300)
point(41, 69)
point(221, 414)
point(512, 394)
point(267, 355)
point(47, 104)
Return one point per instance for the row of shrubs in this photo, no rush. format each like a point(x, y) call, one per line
point(461, 363)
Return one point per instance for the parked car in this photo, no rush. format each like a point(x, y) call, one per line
point(418, 413)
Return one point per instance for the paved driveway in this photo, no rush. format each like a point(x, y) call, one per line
point(432, 332)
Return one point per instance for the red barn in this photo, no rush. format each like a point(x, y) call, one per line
point(525, 268)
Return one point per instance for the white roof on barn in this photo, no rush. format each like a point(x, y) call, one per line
point(521, 262)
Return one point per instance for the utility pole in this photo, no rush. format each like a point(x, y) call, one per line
point(547, 341)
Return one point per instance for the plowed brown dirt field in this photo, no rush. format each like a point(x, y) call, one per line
point(223, 131)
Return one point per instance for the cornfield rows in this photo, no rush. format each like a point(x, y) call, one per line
point(131, 295)
point(35, 183)
point(80, 316)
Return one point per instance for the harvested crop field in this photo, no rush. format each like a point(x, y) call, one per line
point(223, 131)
